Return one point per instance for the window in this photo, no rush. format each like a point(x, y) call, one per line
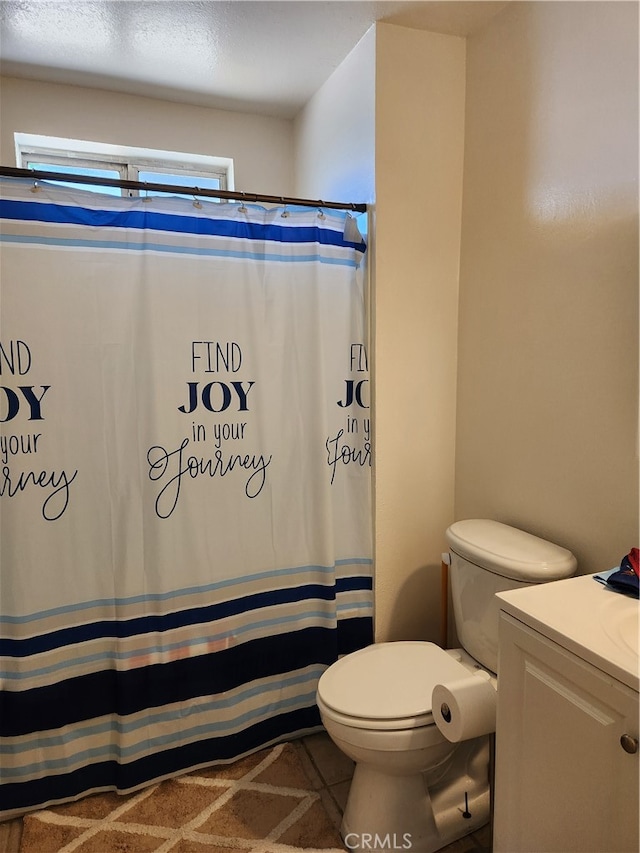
point(80, 157)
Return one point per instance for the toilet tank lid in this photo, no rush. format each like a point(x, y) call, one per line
point(510, 552)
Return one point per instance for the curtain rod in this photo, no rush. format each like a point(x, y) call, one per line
point(37, 175)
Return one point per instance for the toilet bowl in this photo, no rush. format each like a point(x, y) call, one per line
point(409, 784)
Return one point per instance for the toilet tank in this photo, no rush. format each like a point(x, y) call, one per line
point(489, 557)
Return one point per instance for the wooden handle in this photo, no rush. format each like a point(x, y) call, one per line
point(444, 604)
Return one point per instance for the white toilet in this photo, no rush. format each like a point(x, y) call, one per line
point(412, 789)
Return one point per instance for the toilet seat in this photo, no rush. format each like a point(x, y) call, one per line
point(386, 686)
point(392, 724)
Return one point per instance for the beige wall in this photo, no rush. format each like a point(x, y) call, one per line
point(262, 147)
point(548, 357)
point(419, 157)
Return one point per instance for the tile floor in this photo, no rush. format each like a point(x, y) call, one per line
point(334, 769)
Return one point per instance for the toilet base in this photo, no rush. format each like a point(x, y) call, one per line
point(387, 814)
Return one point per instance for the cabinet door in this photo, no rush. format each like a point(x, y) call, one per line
point(563, 781)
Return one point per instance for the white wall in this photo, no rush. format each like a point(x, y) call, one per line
point(262, 147)
point(548, 379)
point(334, 133)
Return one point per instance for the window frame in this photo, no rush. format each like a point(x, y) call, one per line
point(127, 162)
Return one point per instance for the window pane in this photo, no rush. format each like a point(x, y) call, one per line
point(80, 170)
point(182, 180)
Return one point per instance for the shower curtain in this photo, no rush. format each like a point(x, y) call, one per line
point(185, 461)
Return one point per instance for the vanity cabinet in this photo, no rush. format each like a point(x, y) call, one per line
point(567, 760)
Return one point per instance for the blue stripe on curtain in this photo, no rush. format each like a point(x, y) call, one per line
point(237, 696)
point(109, 775)
point(203, 252)
point(87, 697)
point(137, 639)
point(131, 627)
point(342, 585)
point(149, 221)
point(164, 666)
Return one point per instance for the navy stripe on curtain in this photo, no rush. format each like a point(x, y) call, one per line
point(123, 693)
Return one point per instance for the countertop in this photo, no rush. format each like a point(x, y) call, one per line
point(586, 618)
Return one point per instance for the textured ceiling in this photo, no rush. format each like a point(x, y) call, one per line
point(253, 55)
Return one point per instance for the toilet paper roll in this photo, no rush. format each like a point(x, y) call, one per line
point(465, 708)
